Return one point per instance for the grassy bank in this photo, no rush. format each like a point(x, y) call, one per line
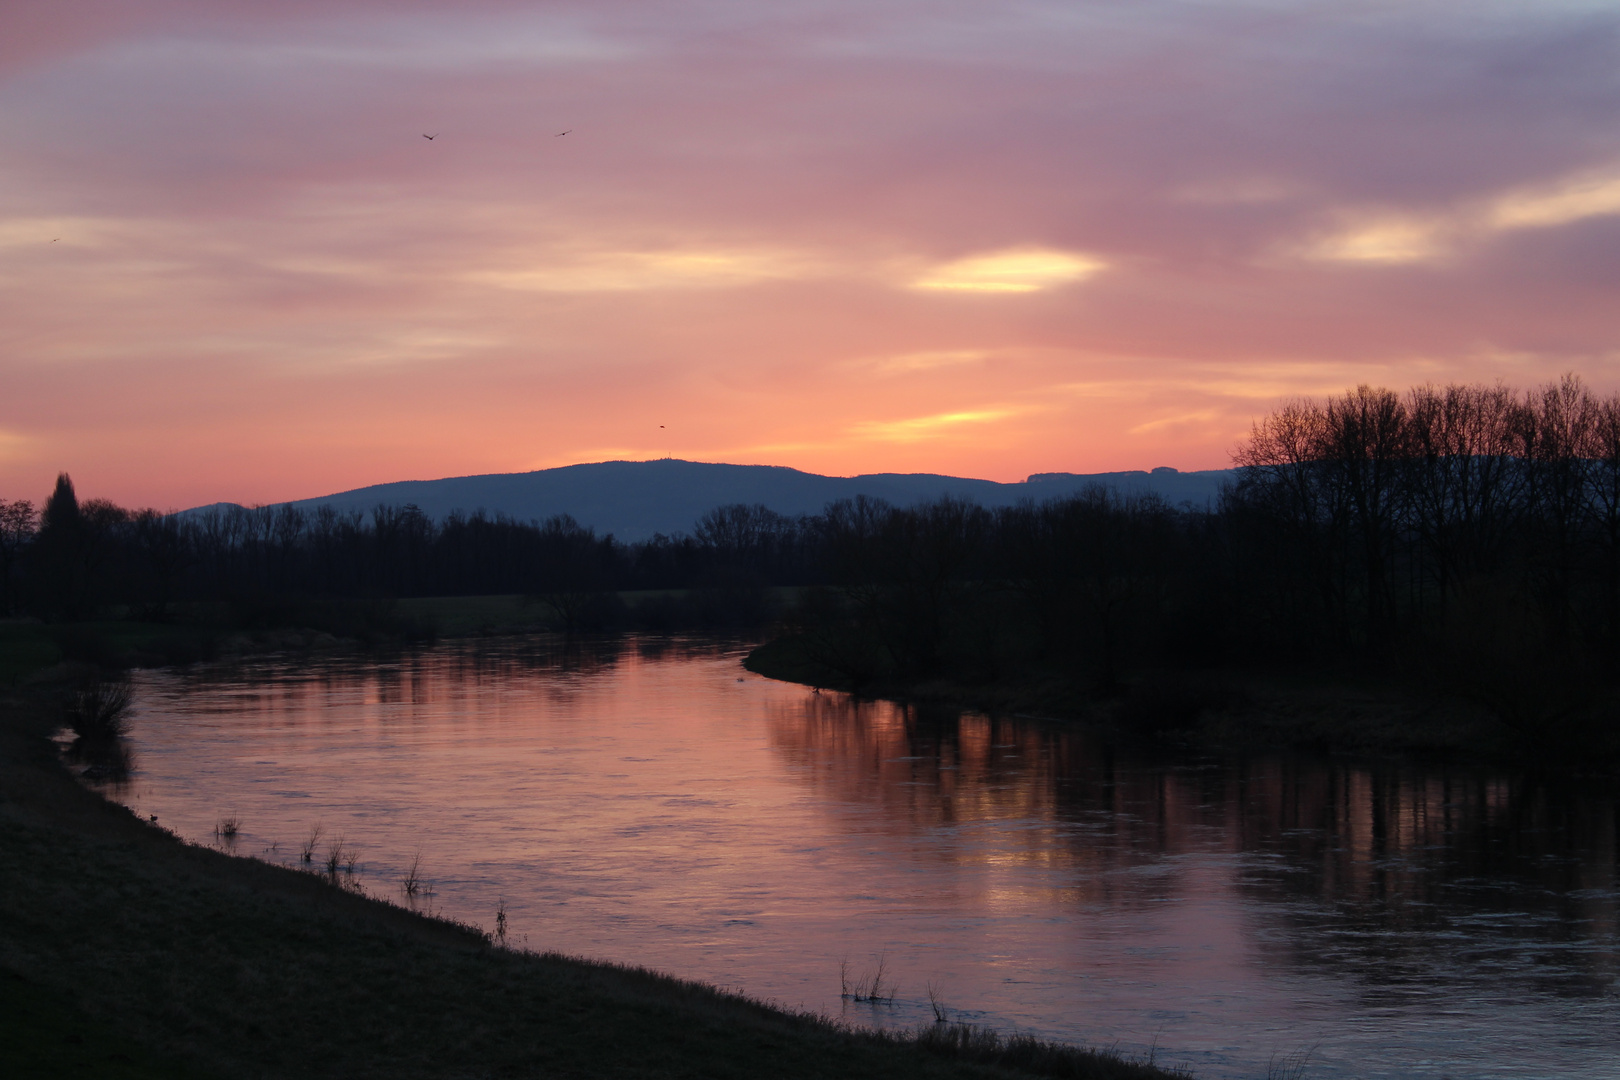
point(125, 952)
point(1321, 712)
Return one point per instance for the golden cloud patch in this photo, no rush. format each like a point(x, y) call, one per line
point(1016, 270)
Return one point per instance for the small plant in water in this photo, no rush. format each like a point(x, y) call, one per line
point(412, 884)
point(936, 1003)
point(306, 853)
point(341, 866)
point(1289, 1066)
point(500, 922)
point(335, 856)
point(872, 988)
point(227, 827)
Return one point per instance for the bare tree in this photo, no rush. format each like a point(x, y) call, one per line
point(1603, 453)
point(1557, 435)
point(1284, 480)
point(1464, 480)
point(18, 524)
point(741, 535)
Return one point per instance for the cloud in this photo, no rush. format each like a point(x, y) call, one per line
point(927, 360)
point(623, 271)
point(13, 446)
point(1014, 270)
point(1591, 194)
point(1246, 191)
point(1411, 238)
point(927, 427)
point(1204, 416)
point(73, 232)
point(1393, 241)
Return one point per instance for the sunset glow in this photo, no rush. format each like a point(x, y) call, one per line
point(978, 239)
point(1010, 271)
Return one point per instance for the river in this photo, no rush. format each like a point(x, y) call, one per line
point(650, 802)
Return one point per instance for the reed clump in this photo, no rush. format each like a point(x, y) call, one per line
point(411, 884)
point(874, 987)
point(95, 706)
point(341, 867)
point(1289, 1066)
point(306, 850)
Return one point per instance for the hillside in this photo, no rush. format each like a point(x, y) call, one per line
point(635, 499)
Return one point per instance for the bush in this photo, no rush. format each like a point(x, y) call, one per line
point(96, 706)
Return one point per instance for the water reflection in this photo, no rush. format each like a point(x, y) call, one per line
point(107, 763)
point(646, 801)
point(1377, 871)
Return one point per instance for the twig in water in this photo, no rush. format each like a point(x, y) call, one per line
point(413, 877)
point(334, 859)
point(868, 987)
point(876, 991)
point(936, 1003)
point(306, 853)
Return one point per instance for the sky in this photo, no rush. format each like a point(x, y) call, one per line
point(979, 238)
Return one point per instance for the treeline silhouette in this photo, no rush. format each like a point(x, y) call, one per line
point(71, 561)
point(1467, 536)
point(1462, 538)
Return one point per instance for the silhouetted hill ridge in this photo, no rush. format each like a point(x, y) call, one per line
point(635, 499)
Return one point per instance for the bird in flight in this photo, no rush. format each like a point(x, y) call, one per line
point(560, 134)
point(431, 137)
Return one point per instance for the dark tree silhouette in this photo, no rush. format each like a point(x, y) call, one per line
point(18, 523)
point(60, 552)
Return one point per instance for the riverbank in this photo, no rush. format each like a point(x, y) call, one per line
point(1219, 709)
point(200, 632)
point(128, 953)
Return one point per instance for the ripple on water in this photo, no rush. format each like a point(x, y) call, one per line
point(636, 802)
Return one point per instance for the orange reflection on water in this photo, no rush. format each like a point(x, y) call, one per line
point(1396, 844)
point(649, 802)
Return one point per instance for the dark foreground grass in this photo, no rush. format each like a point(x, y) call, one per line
point(43, 1033)
point(127, 953)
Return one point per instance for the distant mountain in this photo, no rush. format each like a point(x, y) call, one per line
point(635, 499)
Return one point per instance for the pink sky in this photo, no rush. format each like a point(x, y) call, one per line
point(986, 239)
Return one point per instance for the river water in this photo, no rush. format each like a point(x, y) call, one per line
point(650, 802)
